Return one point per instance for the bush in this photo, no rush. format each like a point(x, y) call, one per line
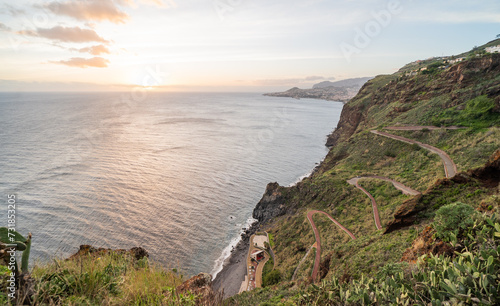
point(453, 219)
point(271, 278)
point(390, 153)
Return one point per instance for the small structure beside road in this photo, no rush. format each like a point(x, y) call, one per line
point(256, 259)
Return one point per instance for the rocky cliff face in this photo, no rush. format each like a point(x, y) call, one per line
point(201, 286)
point(271, 205)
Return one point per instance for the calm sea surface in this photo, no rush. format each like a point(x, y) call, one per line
point(176, 173)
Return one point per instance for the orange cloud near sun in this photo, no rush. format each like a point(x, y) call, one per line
point(94, 50)
point(66, 34)
point(80, 62)
point(89, 10)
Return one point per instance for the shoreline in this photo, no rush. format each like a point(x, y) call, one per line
point(234, 270)
point(234, 267)
point(226, 252)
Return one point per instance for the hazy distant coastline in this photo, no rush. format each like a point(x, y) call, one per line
point(341, 91)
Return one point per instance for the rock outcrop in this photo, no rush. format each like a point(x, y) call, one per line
point(425, 243)
point(201, 286)
point(271, 205)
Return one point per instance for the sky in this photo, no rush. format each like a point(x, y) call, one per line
point(227, 45)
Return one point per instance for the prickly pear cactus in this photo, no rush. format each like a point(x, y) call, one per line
point(9, 239)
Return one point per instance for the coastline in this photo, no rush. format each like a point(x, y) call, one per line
point(234, 267)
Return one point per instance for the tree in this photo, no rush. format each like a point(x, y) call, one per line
point(498, 36)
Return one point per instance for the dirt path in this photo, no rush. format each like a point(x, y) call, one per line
point(450, 169)
point(301, 261)
point(376, 217)
point(318, 241)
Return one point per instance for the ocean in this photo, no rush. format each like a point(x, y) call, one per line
point(176, 173)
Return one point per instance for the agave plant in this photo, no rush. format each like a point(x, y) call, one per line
point(12, 239)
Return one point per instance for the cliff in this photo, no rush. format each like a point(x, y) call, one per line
point(422, 104)
point(400, 93)
point(271, 205)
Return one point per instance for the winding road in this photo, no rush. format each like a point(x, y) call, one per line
point(318, 241)
point(376, 217)
point(399, 186)
point(405, 189)
point(450, 169)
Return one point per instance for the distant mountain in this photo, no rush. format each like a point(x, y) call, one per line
point(341, 91)
point(344, 83)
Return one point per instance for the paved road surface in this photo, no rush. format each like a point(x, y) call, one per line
point(399, 186)
point(405, 189)
point(376, 217)
point(318, 241)
point(258, 272)
point(419, 127)
point(450, 169)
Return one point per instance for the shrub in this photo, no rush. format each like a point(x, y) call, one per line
point(271, 278)
point(390, 153)
point(453, 219)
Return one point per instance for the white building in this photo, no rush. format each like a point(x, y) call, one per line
point(494, 49)
point(457, 60)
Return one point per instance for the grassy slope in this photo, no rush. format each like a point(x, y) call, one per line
point(105, 279)
point(385, 101)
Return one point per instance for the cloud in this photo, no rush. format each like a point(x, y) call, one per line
point(87, 10)
point(66, 34)
point(81, 62)
point(94, 50)
point(125, 2)
point(13, 10)
point(3, 27)
point(160, 3)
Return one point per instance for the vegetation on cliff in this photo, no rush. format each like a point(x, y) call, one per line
point(465, 94)
point(108, 277)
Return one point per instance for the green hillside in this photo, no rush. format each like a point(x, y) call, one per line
point(386, 266)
